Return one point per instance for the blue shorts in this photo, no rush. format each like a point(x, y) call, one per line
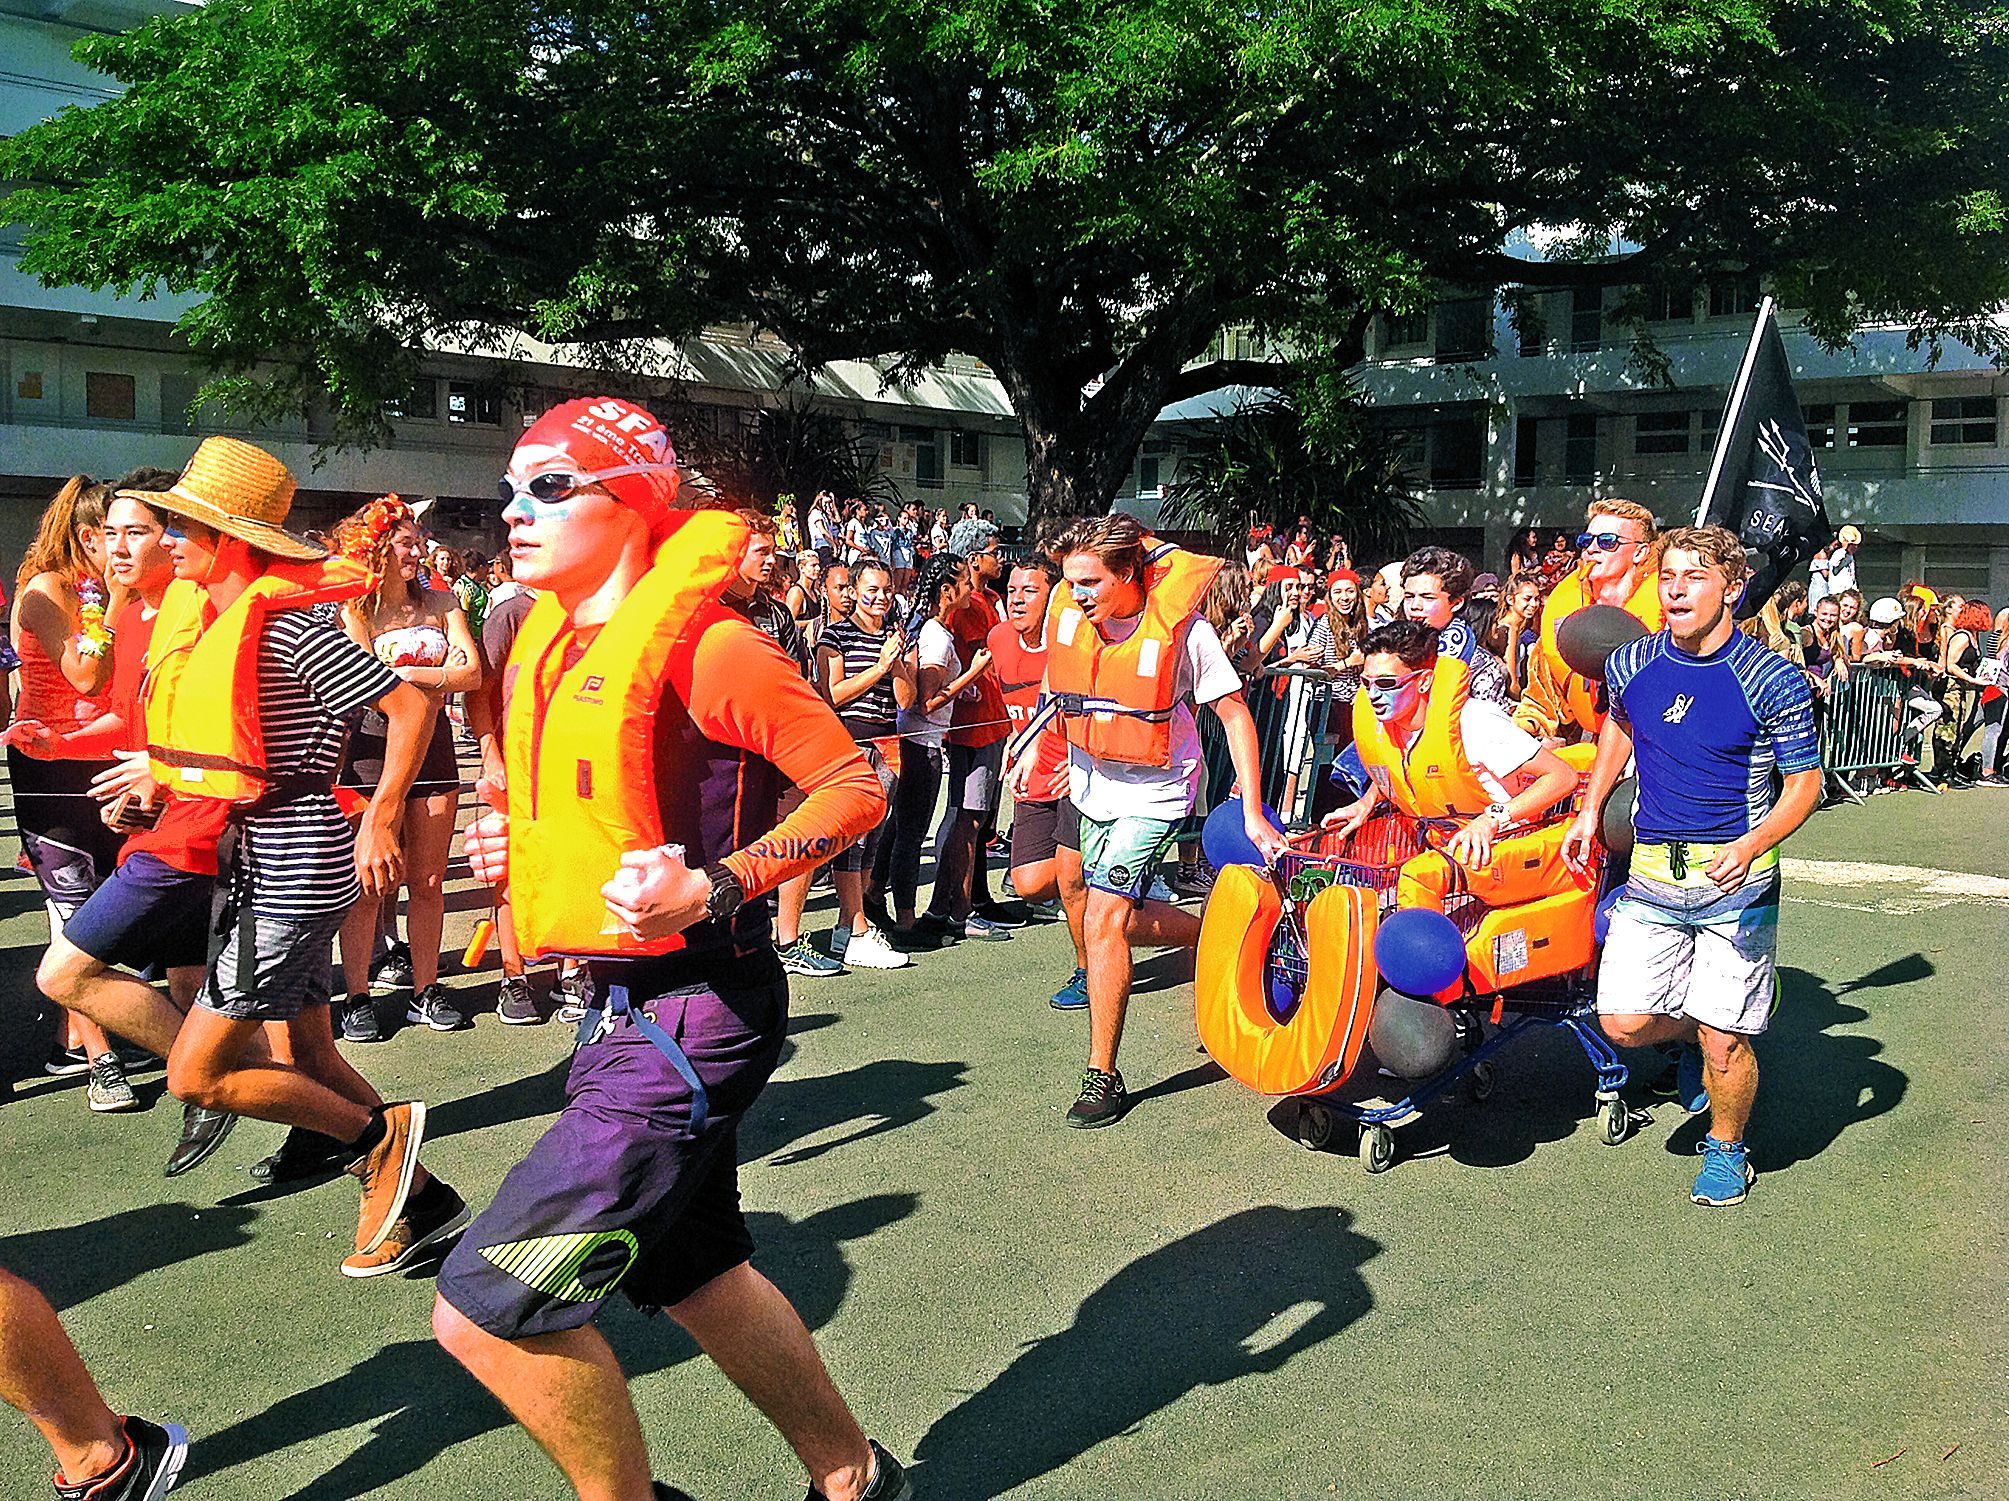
point(621, 1193)
point(148, 913)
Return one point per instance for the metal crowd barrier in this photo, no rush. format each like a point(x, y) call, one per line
point(1301, 727)
point(1861, 722)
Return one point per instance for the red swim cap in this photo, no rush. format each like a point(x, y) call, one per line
point(604, 432)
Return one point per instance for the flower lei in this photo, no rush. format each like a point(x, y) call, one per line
point(95, 639)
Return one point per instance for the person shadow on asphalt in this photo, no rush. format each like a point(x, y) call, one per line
point(1815, 1082)
point(419, 1403)
point(1187, 1315)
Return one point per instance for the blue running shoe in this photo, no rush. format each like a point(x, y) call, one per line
point(1726, 1176)
point(1073, 996)
point(1689, 1086)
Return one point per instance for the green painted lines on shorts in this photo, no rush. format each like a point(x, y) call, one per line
point(552, 1263)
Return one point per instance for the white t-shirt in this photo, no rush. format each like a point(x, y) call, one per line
point(819, 527)
point(1108, 790)
point(1497, 748)
point(937, 649)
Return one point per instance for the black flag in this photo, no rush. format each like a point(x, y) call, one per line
point(1763, 483)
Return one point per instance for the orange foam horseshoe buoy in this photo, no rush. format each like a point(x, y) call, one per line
point(1317, 1048)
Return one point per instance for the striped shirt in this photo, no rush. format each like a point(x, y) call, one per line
point(875, 712)
point(311, 678)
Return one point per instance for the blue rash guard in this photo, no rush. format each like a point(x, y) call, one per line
point(1708, 733)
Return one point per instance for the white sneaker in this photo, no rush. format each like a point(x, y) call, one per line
point(870, 950)
point(1158, 891)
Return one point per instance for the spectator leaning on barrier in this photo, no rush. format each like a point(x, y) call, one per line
point(1961, 660)
point(1710, 717)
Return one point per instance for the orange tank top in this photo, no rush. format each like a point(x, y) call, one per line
point(42, 693)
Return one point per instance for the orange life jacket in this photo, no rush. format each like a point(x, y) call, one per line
point(1580, 695)
point(1435, 779)
point(1116, 698)
point(579, 741)
point(200, 694)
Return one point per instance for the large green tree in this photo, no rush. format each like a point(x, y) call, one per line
point(1078, 192)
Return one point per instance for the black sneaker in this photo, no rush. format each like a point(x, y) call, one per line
point(393, 971)
point(147, 1471)
point(1003, 914)
point(571, 995)
point(432, 1007)
point(67, 1063)
point(889, 1478)
point(930, 930)
point(1103, 1099)
point(665, 1492)
point(516, 1005)
point(358, 1020)
point(303, 1154)
point(202, 1132)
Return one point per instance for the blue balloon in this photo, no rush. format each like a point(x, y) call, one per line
point(1600, 924)
point(1224, 839)
point(1419, 952)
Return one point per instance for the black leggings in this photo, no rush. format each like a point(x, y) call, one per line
point(68, 844)
point(921, 769)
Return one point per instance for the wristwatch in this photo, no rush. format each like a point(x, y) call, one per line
point(1499, 814)
point(727, 895)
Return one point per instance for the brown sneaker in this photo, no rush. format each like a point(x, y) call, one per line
point(386, 1172)
point(435, 1213)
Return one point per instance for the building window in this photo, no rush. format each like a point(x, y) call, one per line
point(1408, 328)
point(966, 451)
point(1580, 450)
point(1821, 426)
point(1464, 329)
point(1527, 450)
point(1586, 318)
point(1661, 432)
point(1147, 475)
point(1670, 304)
point(1963, 419)
point(110, 396)
point(479, 405)
point(1733, 296)
point(1457, 454)
point(1876, 424)
point(420, 404)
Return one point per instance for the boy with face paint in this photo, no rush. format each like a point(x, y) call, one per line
point(648, 731)
point(1710, 715)
point(1430, 748)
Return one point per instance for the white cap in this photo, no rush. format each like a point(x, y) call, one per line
point(1886, 611)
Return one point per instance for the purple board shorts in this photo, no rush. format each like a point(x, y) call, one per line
point(621, 1194)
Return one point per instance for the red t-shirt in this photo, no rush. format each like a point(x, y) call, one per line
point(979, 720)
point(1020, 671)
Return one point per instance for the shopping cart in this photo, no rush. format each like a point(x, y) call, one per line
point(1558, 993)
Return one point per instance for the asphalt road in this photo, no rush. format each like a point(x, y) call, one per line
point(1189, 1305)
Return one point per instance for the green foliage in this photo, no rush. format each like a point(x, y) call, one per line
point(778, 453)
point(1078, 192)
point(1312, 452)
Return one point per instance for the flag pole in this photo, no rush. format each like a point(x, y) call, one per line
point(1730, 409)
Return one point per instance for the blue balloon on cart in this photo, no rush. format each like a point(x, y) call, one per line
point(1226, 842)
point(1419, 952)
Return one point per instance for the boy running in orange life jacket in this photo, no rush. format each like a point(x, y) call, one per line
point(648, 729)
point(246, 695)
point(1128, 658)
point(1045, 831)
point(1617, 569)
point(1434, 751)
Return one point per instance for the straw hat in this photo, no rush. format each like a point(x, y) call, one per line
point(243, 492)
